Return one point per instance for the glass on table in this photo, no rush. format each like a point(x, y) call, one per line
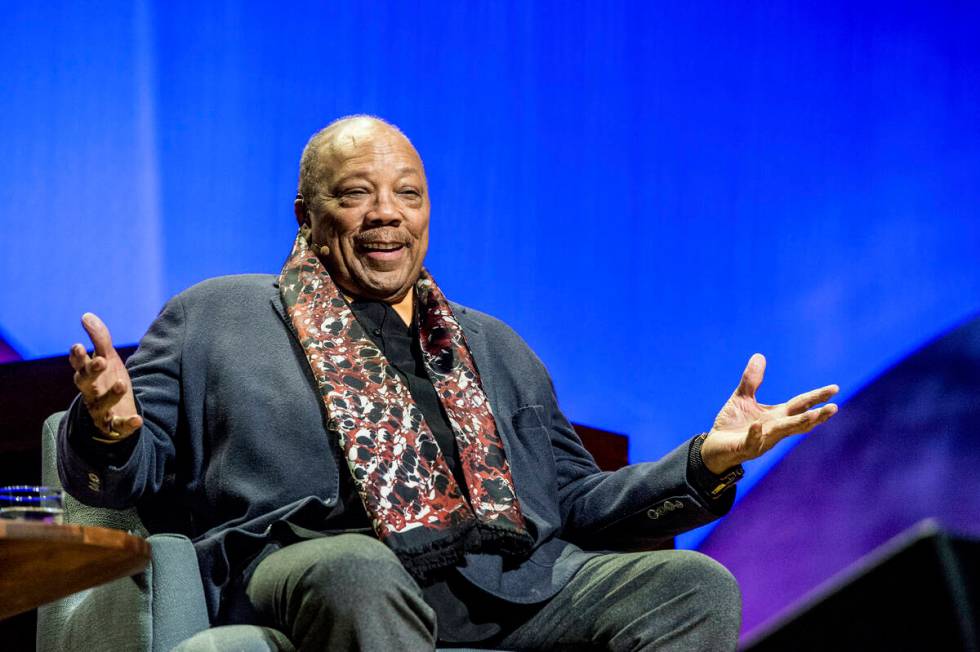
point(31, 503)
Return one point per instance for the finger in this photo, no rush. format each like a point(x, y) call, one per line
point(77, 357)
point(800, 423)
point(85, 385)
point(807, 400)
point(752, 376)
point(95, 366)
point(91, 382)
point(88, 376)
point(98, 333)
point(103, 402)
point(124, 426)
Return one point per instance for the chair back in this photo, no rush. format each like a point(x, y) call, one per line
point(58, 621)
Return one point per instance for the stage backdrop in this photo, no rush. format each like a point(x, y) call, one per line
point(648, 192)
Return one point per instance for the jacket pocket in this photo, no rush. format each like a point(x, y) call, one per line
point(532, 464)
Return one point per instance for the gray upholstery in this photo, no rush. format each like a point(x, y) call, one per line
point(159, 610)
point(240, 638)
point(155, 610)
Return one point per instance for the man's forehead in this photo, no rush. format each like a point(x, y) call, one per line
point(353, 133)
point(363, 137)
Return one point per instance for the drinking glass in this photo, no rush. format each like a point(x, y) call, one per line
point(30, 503)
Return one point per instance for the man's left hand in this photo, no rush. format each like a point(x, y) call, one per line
point(745, 428)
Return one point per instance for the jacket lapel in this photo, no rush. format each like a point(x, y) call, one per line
point(483, 360)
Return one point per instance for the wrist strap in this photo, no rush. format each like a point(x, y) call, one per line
point(716, 484)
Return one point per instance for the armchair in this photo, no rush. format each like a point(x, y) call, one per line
point(159, 610)
point(156, 610)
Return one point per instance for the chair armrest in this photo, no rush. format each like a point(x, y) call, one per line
point(113, 616)
point(154, 610)
point(76, 512)
point(177, 600)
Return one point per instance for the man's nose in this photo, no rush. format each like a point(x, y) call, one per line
point(384, 210)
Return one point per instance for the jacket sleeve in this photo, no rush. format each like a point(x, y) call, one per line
point(118, 475)
point(637, 506)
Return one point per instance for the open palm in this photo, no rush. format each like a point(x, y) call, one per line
point(745, 429)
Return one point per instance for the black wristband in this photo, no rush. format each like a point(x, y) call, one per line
point(712, 484)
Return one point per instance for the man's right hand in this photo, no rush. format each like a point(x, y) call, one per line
point(104, 383)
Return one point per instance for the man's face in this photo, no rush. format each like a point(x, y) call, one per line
point(373, 212)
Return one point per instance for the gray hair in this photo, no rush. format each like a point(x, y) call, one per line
point(309, 163)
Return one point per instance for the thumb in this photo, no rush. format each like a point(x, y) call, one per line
point(98, 333)
point(752, 376)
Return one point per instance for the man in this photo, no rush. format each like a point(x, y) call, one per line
point(362, 464)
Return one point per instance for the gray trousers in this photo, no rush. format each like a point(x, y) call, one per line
point(349, 592)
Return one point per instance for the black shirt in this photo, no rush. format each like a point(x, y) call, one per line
point(464, 613)
point(400, 345)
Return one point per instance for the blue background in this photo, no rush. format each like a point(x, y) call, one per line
point(648, 192)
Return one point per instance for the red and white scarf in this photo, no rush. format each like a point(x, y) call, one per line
point(408, 491)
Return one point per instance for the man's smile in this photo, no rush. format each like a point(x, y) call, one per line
point(384, 252)
point(382, 245)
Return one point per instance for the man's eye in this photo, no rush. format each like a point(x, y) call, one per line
point(354, 192)
point(410, 191)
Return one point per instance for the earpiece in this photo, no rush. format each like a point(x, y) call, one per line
point(306, 231)
point(307, 234)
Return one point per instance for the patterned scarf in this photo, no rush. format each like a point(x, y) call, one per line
point(415, 505)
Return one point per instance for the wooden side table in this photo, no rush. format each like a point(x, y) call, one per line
point(40, 562)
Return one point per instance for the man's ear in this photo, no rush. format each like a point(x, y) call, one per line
point(299, 209)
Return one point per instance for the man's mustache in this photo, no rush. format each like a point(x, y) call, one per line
point(382, 235)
